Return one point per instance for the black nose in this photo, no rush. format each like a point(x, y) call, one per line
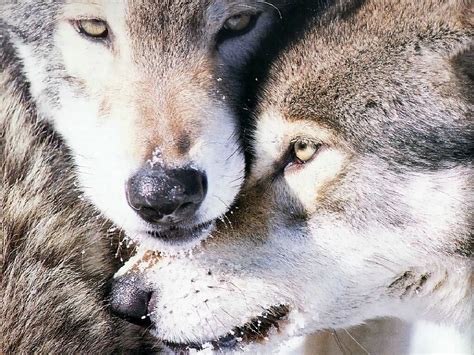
point(129, 300)
point(155, 193)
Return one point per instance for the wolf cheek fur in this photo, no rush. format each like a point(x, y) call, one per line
point(374, 217)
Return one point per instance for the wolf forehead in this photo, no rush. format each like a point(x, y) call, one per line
point(367, 84)
point(170, 40)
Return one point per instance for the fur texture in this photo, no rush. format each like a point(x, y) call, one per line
point(377, 221)
point(55, 258)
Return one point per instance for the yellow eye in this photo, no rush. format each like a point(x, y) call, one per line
point(238, 23)
point(93, 28)
point(305, 149)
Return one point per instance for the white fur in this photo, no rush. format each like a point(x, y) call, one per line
point(430, 338)
point(34, 68)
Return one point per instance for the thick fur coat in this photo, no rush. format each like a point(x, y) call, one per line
point(55, 259)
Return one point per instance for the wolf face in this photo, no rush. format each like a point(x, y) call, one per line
point(144, 93)
point(357, 205)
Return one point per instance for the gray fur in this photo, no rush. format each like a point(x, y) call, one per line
point(55, 258)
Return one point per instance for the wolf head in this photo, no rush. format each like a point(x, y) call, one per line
point(357, 204)
point(144, 93)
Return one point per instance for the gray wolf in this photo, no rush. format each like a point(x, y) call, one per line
point(138, 100)
point(144, 94)
point(359, 199)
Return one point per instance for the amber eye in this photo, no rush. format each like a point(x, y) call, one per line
point(304, 149)
point(238, 23)
point(93, 28)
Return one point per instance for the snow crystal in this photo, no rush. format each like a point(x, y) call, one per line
point(156, 158)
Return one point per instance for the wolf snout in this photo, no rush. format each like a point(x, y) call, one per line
point(130, 300)
point(156, 194)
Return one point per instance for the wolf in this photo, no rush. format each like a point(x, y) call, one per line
point(137, 99)
point(359, 201)
point(145, 95)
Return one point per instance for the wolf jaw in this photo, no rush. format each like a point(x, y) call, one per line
point(258, 329)
point(378, 221)
point(162, 83)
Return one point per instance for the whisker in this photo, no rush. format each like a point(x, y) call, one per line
point(275, 7)
point(339, 343)
point(359, 344)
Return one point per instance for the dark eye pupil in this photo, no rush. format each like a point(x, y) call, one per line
point(302, 145)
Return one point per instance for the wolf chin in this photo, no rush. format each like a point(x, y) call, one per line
point(359, 200)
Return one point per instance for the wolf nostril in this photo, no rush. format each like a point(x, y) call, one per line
point(150, 215)
point(186, 205)
point(155, 193)
point(129, 300)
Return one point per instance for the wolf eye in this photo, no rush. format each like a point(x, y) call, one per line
point(238, 23)
point(304, 149)
point(93, 28)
